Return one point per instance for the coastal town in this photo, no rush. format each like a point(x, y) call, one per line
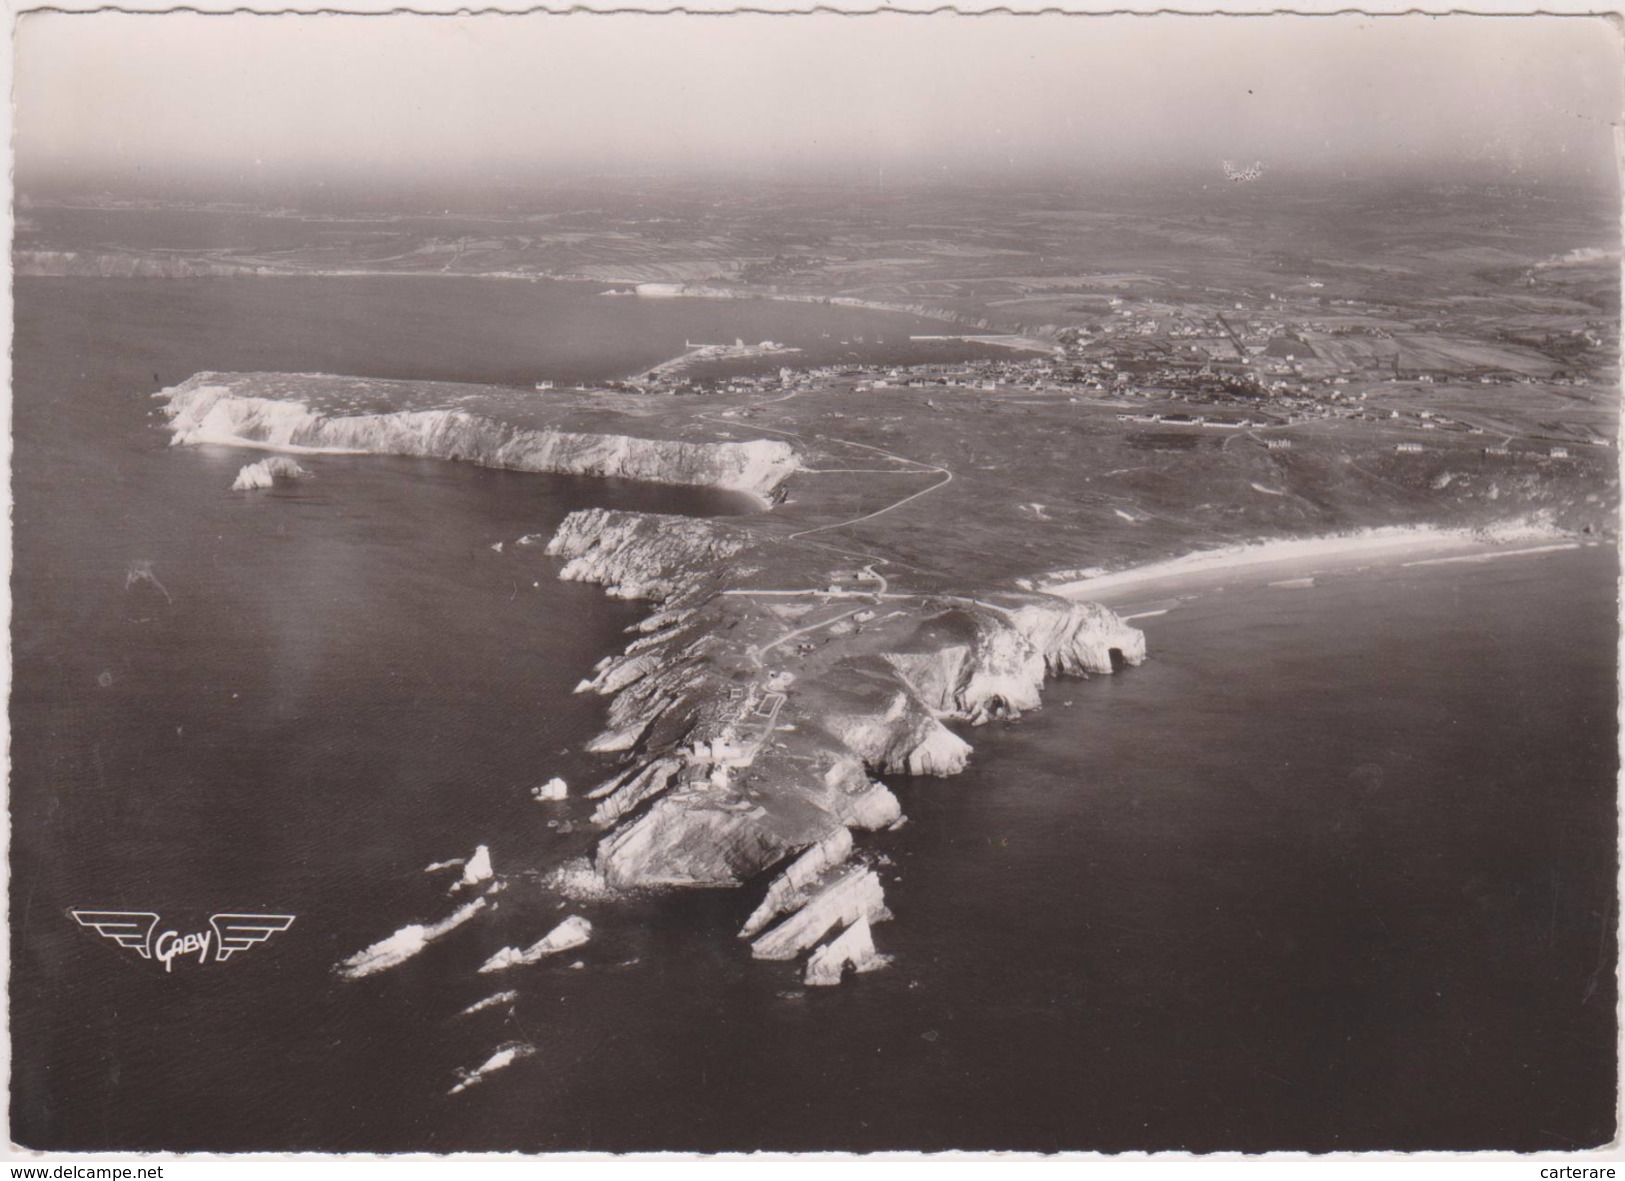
point(1527, 399)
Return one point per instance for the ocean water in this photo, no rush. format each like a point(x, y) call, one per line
point(1334, 869)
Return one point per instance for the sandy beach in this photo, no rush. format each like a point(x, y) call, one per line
point(1293, 559)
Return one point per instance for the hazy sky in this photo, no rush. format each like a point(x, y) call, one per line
point(265, 99)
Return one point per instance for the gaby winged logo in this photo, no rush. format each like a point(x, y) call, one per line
point(227, 934)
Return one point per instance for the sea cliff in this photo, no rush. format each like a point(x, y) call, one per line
point(227, 408)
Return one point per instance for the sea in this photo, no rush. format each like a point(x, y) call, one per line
point(1335, 869)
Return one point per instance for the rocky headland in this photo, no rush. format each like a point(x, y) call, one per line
point(750, 724)
point(493, 428)
point(749, 719)
point(887, 602)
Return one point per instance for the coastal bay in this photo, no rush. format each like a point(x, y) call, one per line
point(644, 933)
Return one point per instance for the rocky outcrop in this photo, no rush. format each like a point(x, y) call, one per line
point(903, 738)
point(266, 473)
point(476, 869)
point(642, 556)
point(791, 889)
point(853, 948)
point(744, 755)
point(405, 943)
point(845, 897)
point(1077, 638)
point(981, 660)
point(221, 408)
point(552, 791)
point(645, 785)
point(503, 1057)
point(573, 932)
point(688, 840)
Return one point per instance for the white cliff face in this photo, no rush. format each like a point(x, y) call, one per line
point(213, 414)
point(1077, 638)
point(790, 890)
point(903, 738)
point(940, 752)
point(977, 661)
point(853, 948)
point(849, 895)
point(998, 674)
point(212, 408)
point(870, 806)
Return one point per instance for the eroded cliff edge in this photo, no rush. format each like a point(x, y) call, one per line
point(442, 420)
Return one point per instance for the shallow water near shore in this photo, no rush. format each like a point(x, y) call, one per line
point(1334, 869)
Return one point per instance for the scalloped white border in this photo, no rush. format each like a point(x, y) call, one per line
point(1527, 1165)
point(1374, 8)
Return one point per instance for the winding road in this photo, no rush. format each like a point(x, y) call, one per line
point(922, 468)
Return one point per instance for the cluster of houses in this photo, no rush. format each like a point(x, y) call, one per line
point(1497, 451)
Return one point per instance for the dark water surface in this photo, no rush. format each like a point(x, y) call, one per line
point(1335, 869)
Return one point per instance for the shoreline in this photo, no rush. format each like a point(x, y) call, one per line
point(1423, 544)
point(674, 367)
point(647, 289)
point(56, 264)
point(753, 714)
point(748, 728)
